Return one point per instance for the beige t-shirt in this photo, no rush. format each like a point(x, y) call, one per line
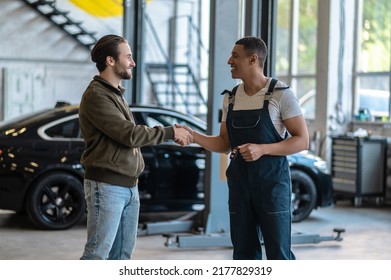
point(283, 104)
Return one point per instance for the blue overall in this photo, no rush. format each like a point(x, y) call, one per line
point(259, 191)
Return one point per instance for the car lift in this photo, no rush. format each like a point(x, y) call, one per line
point(180, 233)
point(182, 224)
point(223, 240)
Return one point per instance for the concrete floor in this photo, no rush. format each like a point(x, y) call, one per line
point(367, 237)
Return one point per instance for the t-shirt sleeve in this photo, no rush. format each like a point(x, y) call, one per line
point(290, 106)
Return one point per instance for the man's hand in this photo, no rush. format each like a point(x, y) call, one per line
point(183, 136)
point(251, 152)
point(185, 127)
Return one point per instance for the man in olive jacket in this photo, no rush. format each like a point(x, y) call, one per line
point(112, 159)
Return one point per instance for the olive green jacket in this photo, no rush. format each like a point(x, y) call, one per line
point(112, 138)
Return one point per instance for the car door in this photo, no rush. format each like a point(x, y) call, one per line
point(175, 174)
point(65, 135)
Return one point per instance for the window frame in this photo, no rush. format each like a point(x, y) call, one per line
point(359, 74)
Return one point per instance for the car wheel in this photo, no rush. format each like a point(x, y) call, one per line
point(303, 195)
point(56, 201)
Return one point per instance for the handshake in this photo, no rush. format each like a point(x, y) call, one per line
point(183, 135)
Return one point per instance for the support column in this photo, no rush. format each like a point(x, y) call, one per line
point(133, 21)
point(224, 32)
point(333, 71)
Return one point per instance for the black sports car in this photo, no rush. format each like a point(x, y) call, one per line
point(40, 171)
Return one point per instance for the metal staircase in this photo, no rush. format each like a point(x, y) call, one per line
point(175, 85)
point(47, 8)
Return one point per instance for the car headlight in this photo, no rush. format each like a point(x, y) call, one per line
point(200, 163)
point(322, 166)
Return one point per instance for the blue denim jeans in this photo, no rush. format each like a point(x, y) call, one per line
point(112, 221)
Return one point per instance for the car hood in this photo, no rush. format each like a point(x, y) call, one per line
point(308, 159)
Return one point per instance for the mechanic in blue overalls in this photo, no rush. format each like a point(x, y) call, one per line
point(262, 123)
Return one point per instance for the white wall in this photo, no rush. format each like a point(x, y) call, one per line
point(40, 63)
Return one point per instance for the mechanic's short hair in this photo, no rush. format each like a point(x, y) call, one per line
point(254, 45)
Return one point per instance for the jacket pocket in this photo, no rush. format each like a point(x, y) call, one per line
point(116, 154)
point(127, 161)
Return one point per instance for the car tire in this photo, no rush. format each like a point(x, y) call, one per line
point(56, 201)
point(304, 195)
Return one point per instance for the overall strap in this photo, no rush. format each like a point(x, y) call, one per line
point(269, 92)
point(231, 95)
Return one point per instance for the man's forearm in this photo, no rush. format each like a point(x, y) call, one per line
point(215, 144)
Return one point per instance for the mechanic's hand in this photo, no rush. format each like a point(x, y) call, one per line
point(186, 127)
point(251, 152)
point(183, 135)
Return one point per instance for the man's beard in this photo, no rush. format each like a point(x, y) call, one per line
point(124, 75)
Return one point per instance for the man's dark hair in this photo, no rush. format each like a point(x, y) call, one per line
point(106, 46)
point(254, 45)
